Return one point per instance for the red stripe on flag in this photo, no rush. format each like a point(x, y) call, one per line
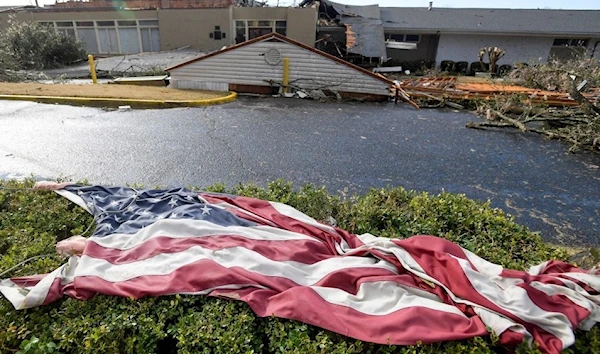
point(264, 209)
point(404, 327)
point(29, 280)
point(448, 271)
point(305, 251)
point(206, 274)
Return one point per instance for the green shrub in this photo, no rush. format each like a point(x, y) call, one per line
point(32, 222)
point(31, 45)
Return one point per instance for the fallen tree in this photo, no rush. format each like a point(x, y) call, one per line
point(579, 126)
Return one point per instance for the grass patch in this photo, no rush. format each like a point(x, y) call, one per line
point(107, 91)
point(32, 222)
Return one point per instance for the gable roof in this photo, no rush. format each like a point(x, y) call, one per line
point(285, 39)
point(506, 21)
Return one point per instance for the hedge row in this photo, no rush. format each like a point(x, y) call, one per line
point(32, 222)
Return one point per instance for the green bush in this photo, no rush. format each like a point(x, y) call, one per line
point(32, 222)
point(31, 45)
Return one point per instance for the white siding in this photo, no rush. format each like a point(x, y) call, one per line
point(246, 65)
point(463, 47)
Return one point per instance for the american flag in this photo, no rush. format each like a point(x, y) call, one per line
point(284, 263)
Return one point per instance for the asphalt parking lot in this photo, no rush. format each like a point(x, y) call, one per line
point(348, 148)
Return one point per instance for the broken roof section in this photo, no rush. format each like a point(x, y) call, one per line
point(364, 27)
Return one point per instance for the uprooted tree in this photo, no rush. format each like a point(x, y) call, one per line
point(34, 46)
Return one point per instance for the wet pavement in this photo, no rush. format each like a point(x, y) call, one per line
point(341, 146)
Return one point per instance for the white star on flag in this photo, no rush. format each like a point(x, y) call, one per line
point(189, 198)
point(206, 210)
point(106, 226)
point(99, 198)
point(173, 203)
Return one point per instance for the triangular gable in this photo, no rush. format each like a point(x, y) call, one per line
point(278, 37)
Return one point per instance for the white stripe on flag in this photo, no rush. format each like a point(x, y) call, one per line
point(516, 301)
point(577, 296)
point(163, 264)
point(188, 228)
point(74, 198)
point(592, 280)
point(384, 297)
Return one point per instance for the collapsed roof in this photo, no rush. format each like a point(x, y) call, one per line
point(364, 27)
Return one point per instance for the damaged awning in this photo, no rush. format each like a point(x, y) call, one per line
point(364, 28)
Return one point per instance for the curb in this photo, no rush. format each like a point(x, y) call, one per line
point(232, 96)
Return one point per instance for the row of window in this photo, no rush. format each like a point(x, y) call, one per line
point(112, 37)
point(250, 29)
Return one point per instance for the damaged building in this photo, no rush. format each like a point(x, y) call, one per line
point(369, 36)
point(274, 64)
point(353, 33)
point(424, 37)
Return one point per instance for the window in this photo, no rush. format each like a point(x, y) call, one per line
point(151, 23)
point(105, 23)
point(281, 27)
point(150, 39)
point(65, 28)
point(127, 23)
point(413, 38)
point(570, 42)
point(217, 34)
point(115, 36)
point(68, 32)
point(240, 31)
point(249, 29)
point(396, 37)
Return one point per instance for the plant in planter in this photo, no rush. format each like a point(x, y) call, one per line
point(494, 54)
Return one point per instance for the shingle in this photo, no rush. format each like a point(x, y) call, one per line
point(524, 21)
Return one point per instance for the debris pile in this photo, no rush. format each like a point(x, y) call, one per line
point(448, 88)
point(572, 116)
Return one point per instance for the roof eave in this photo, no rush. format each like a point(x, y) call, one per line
point(495, 33)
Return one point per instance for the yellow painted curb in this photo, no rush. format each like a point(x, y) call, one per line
point(232, 96)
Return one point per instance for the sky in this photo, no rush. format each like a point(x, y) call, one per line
point(515, 4)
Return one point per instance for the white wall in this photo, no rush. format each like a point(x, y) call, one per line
point(462, 47)
point(246, 65)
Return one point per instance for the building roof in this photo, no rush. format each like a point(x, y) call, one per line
point(364, 26)
point(505, 21)
point(282, 38)
point(10, 8)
